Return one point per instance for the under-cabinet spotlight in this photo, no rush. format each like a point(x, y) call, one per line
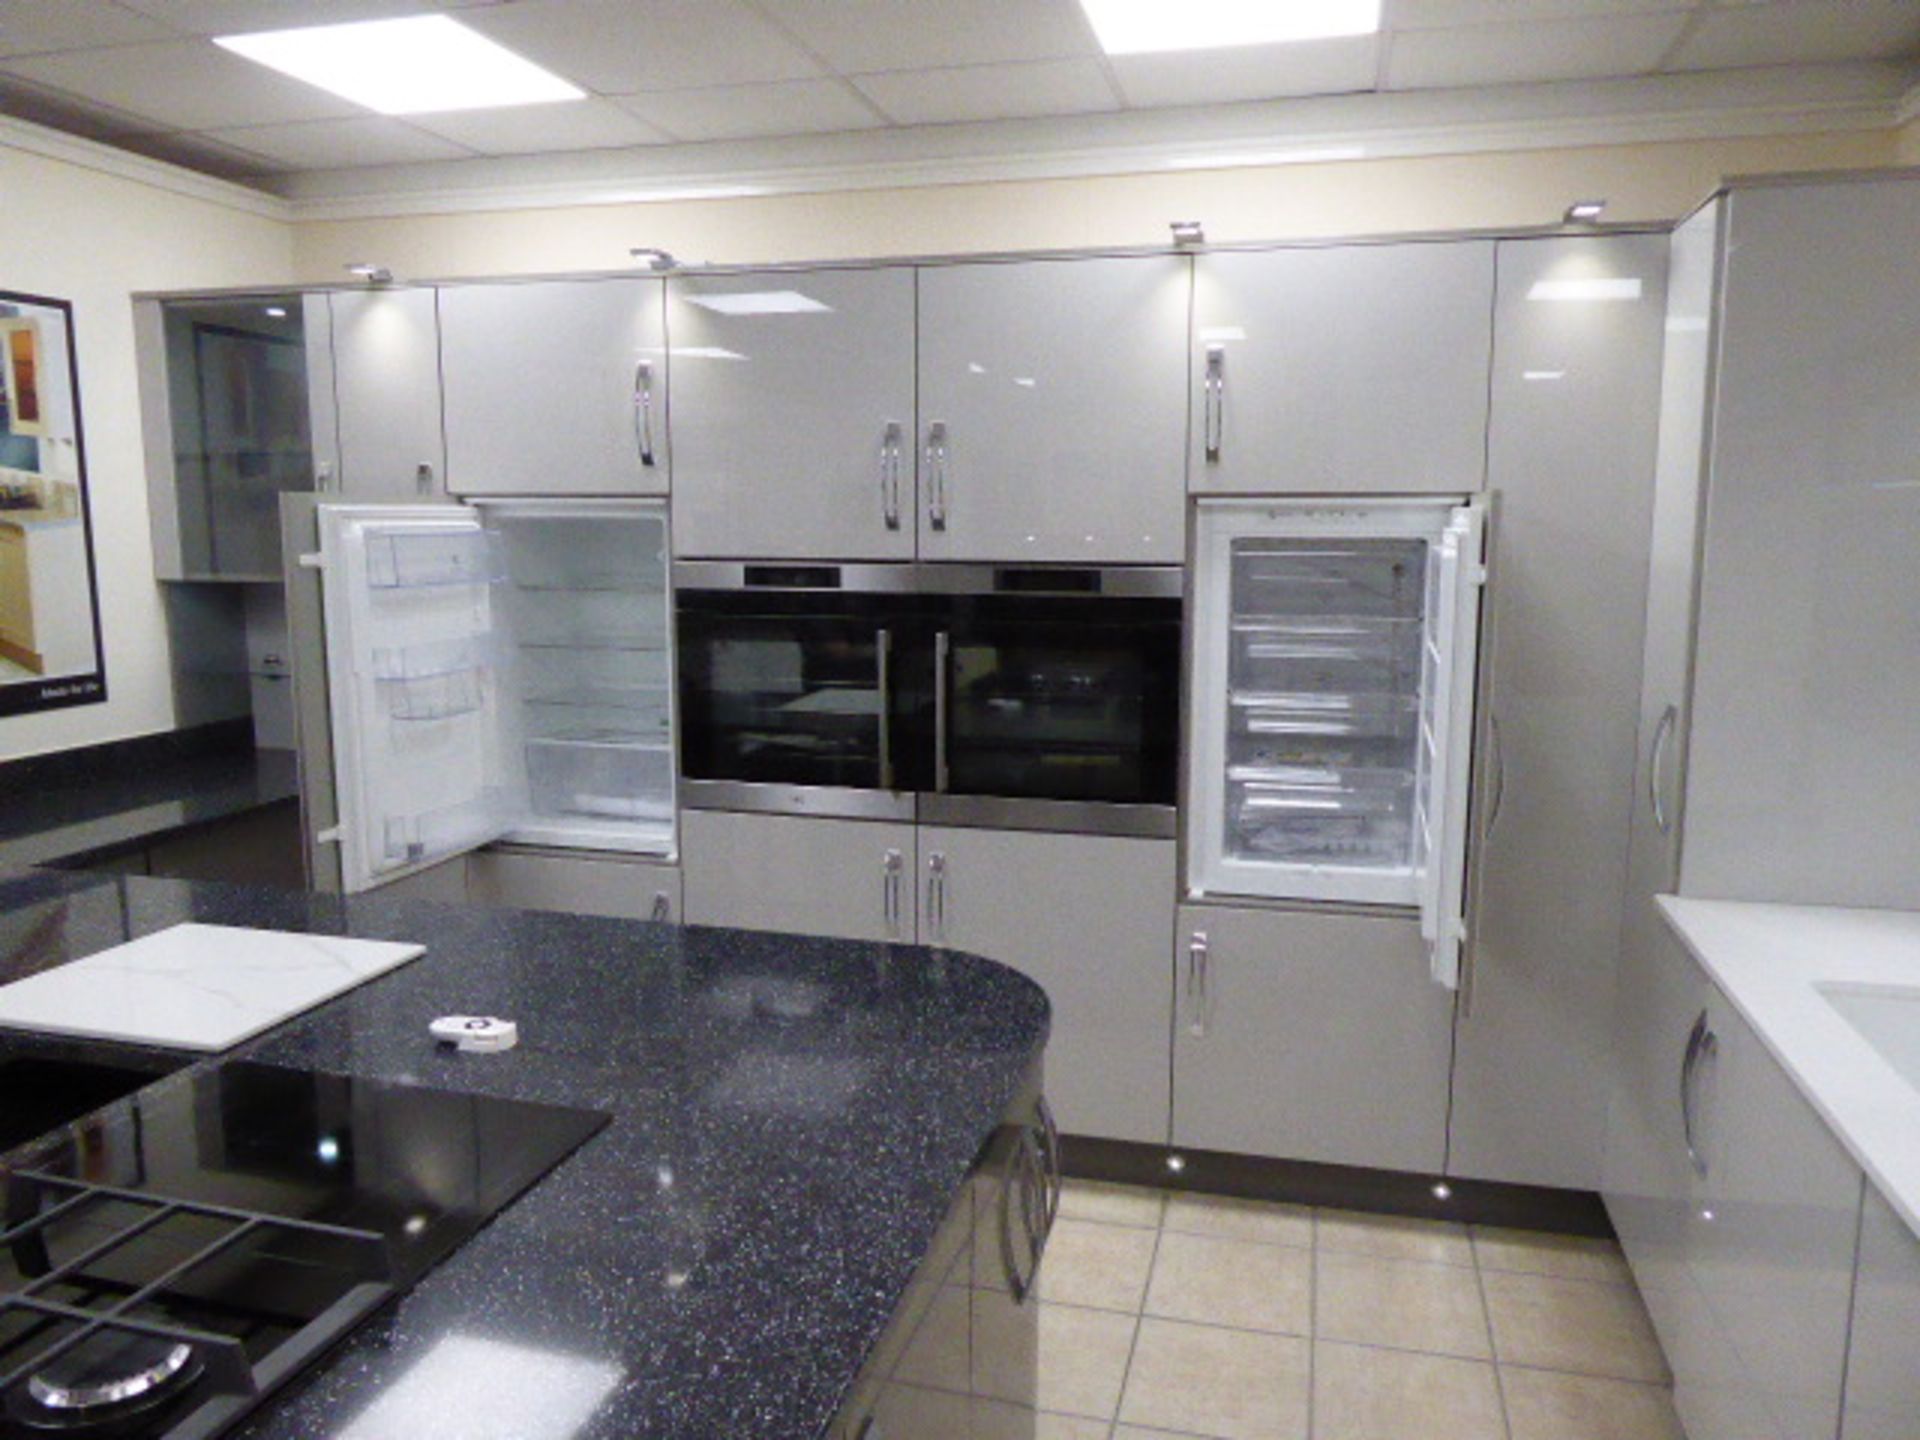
point(1188, 232)
point(276, 312)
point(653, 257)
point(1585, 212)
point(1176, 1163)
point(1442, 1191)
point(371, 273)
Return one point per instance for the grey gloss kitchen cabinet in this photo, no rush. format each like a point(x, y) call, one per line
point(556, 387)
point(1883, 1380)
point(1309, 1036)
point(793, 414)
point(377, 410)
point(1575, 406)
point(1052, 418)
point(852, 879)
point(1341, 369)
point(1087, 917)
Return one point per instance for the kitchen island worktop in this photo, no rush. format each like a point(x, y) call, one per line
point(791, 1121)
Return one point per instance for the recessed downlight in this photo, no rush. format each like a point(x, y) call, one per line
point(1136, 27)
point(1599, 287)
point(414, 65)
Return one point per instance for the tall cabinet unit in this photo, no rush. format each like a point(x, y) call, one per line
point(1575, 405)
point(1354, 369)
point(793, 414)
point(556, 387)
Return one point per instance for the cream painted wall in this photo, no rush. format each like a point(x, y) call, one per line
point(1502, 190)
point(95, 237)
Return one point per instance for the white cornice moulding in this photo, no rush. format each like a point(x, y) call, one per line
point(1701, 106)
point(125, 165)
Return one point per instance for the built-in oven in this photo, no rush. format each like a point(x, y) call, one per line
point(1025, 697)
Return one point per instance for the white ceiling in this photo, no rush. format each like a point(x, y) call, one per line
point(664, 75)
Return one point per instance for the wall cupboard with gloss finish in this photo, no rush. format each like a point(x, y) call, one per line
point(793, 414)
point(1574, 415)
point(376, 404)
point(556, 387)
point(1309, 1036)
point(1051, 420)
point(1353, 369)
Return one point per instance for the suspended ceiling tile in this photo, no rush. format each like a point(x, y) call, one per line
point(871, 36)
point(619, 47)
point(59, 110)
point(1447, 14)
point(743, 112)
point(593, 124)
point(238, 17)
point(991, 92)
point(32, 27)
point(339, 144)
point(1255, 72)
point(1526, 53)
point(1804, 33)
point(184, 85)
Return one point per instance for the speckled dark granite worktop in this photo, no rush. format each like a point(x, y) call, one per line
point(792, 1118)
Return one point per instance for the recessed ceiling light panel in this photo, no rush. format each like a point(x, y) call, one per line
point(416, 65)
point(1134, 27)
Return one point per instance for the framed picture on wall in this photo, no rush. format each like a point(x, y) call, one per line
point(50, 650)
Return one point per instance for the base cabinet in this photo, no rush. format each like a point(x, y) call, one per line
point(1883, 1355)
point(850, 879)
point(581, 884)
point(1309, 1036)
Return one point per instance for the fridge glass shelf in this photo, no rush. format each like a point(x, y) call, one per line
point(418, 559)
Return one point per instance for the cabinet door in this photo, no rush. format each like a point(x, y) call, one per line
point(1571, 453)
point(1087, 917)
point(1341, 369)
point(1309, 1036)
point(846, 878)
point(793, 429)
point(577, 884)
point(1052, 426)
point(386, 394)
point(556, 387)
point(1883, 1382)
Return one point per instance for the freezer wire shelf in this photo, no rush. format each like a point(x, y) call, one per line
point(1324, 713)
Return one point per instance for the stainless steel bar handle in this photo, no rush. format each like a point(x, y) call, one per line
point(643, 410)
point(423, 477)
point(883, 661)
point(323, 476)
point(890, 866)
point(1197, 985)
point(937, 475)
point(1216, 400)
point(890, 440)
point(1055, 1171)
point(1499, 796)
point(1662, 733)
point(1689, 1065)
point(937, 895)
point(942, 653)
point(662, 911)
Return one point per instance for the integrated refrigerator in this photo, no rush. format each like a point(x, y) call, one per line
point(1331, 713)
point(496, 671)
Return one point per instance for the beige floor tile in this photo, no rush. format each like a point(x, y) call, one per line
point(1202, 1380)
point(1361, 1393)
point(1068, 1427)
point(1543, 1406)
point(1235, 1219)
point(1233, 1282)
point(1111, 1204)
point(1104, 1266)
point(1571, 1257)
point(1574, 1325)
point(924, 1414)
point(994, 1420)
point(1140, 1432)
point(1082, 1359)
point(1401, 1304)
point(1393, 1237)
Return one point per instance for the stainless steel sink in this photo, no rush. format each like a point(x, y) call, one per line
point(1887, 1017)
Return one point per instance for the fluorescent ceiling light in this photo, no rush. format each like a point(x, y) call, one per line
point(1134, 27)
point(415, 65)
point(1602, 288)
point(759, 302)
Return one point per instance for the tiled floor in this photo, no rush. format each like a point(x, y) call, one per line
point(1165, 1317)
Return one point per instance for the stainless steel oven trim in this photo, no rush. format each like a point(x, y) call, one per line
point(1116, 581)
point(888, 579)
point(1060, 817)
point(760, 798)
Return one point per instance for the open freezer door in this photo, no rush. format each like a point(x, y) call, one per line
point(1456, 577)
point(415, 690)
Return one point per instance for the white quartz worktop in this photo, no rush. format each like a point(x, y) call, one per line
point(1768, 961)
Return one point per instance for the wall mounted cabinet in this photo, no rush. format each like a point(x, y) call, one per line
point(556, 387)
point(1341, 369)
point(377, 412)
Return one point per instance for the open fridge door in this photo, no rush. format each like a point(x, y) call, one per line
point(416, 690)
point(1456, 577)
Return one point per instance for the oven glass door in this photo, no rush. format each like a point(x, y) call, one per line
point(798, 689)
point(1058, 698)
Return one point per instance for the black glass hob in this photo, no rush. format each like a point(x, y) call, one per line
point(169, 1261)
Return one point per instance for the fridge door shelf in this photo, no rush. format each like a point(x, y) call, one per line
point(415, 839)
point(424, 558)
point(444, 696)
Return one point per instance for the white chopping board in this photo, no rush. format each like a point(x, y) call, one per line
point(195, 987)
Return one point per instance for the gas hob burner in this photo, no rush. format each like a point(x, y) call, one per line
point(103, 1384)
